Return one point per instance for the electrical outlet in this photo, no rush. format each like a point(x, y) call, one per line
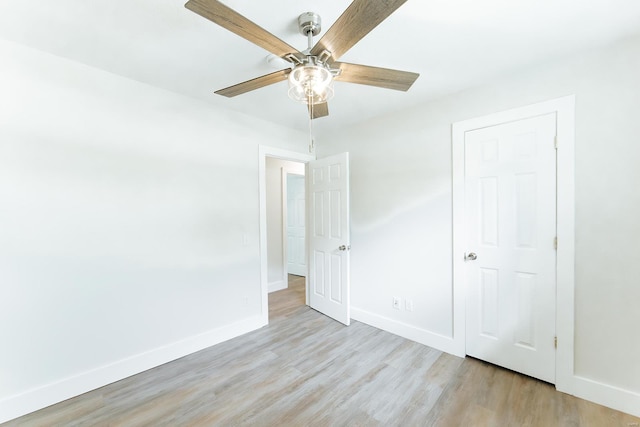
point(408, 305)
point(397, 302)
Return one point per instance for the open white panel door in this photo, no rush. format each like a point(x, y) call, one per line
point(328, 231)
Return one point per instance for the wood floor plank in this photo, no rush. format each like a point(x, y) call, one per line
point(305, 369)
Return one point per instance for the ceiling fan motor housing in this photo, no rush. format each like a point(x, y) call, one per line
point(309, 22)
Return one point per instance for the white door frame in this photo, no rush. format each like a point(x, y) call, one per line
point(263, 153)
point(285, 215)
point(564, 108)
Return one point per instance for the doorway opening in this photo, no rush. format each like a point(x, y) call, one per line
point(286, 225)
point(277, 168)
point(328, 245)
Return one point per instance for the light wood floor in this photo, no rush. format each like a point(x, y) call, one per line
point(307, 370)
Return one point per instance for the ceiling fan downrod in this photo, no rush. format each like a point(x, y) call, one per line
point(309, 24)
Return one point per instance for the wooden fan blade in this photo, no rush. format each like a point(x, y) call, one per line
point(231, 20)
point(357, 21)
point(254, 84)
point(375, 76)
point(319, 110)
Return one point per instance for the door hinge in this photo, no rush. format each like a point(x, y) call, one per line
point(555, 142)
point(555, 342)
point(555, 243)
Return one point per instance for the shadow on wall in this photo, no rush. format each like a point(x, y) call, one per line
point(408, 255)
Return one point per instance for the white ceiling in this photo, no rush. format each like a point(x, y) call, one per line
point(453, 44)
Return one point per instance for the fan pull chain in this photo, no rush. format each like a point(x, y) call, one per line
point(311, 141)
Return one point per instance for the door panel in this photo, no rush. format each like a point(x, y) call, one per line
point(329, 236)
point(510, 208)
point(296, 263)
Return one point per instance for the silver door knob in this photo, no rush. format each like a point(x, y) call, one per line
point(344, 247)
point(471, 257)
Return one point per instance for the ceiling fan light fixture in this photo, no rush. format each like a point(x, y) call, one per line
point(310, 71)
point(311, 83)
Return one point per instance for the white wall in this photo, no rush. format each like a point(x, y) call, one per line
point(123, 211)
point(129, 226)
point(401, 207)
point(275, 242)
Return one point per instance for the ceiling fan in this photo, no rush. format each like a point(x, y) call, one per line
point(313, 71)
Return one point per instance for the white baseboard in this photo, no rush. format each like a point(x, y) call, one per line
point(41, 397)
point(278, 285)
point(413, 333)
point(298, 270)
point(605, 394)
